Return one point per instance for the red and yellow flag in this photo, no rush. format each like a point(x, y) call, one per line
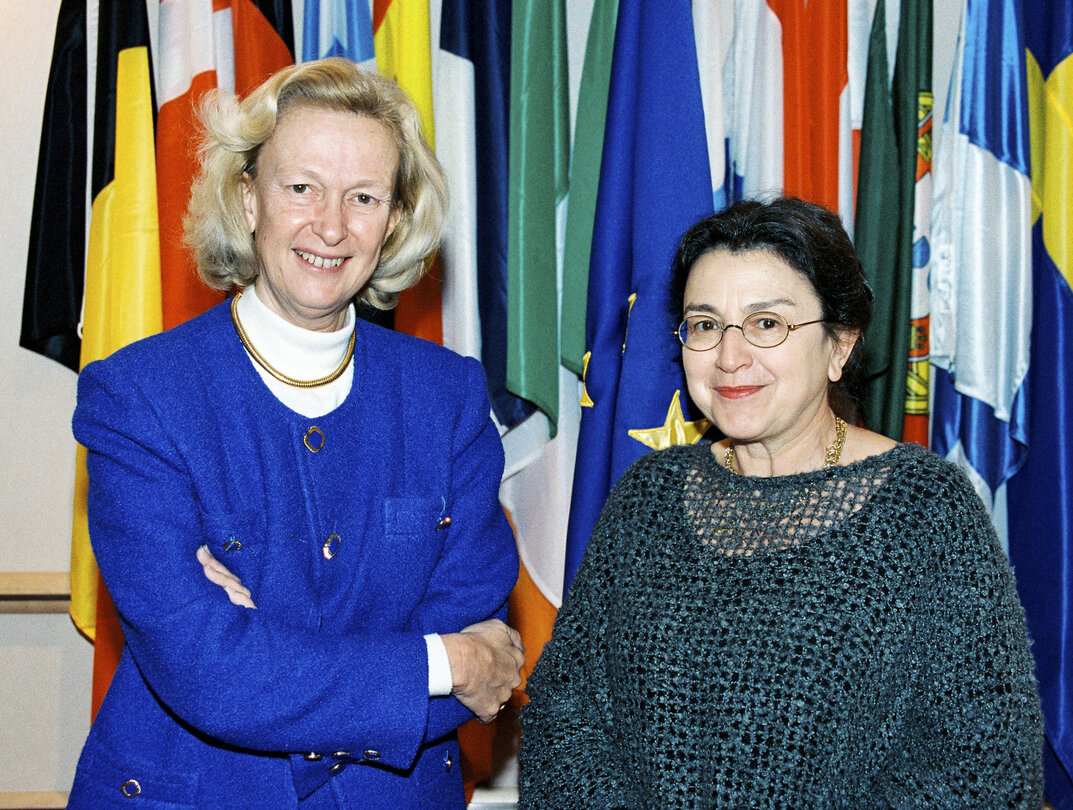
point(403, 42)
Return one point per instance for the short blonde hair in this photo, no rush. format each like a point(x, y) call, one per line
point(234, 132)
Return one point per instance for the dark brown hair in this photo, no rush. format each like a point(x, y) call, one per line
point(808, 238)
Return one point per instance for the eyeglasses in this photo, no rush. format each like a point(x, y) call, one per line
point(766, 330)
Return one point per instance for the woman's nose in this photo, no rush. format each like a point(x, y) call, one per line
point(733, 350)
point(330, 222)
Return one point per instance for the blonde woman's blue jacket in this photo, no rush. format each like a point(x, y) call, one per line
point(339, 527)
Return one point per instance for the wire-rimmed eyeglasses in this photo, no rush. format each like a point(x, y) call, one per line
point(766, 330)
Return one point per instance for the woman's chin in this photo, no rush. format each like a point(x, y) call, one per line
point(738, 423)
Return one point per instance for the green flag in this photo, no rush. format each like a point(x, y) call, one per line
point(539, 157)
point(585, 180)
point(885, 192)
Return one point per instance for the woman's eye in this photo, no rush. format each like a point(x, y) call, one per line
point(705, 325)
point(298, 188)
point(766, 324)
point(365, 199)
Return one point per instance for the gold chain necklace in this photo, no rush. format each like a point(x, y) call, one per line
point(830, 456)
point(279, 375)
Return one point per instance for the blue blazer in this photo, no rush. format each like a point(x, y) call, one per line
point(357, 532)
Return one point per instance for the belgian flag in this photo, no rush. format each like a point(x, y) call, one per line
point(139, 278)
point(82, 303)
point(122, 276)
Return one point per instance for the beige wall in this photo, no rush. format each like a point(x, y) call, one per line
point(45, 664)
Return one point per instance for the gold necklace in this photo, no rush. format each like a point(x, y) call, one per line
point(279, 375)
point(830, 456)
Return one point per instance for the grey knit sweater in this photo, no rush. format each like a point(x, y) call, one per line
point(844, 638)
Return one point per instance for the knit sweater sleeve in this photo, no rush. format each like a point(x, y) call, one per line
point(974, 730)
point(568, 748)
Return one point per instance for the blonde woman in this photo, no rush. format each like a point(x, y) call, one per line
point(296, 511)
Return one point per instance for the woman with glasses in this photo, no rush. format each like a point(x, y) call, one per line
point(803, 613)
point(296, 511)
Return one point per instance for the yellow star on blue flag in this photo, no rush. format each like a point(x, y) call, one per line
point(674, 430)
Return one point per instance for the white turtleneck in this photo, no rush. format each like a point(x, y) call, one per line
point(299, 353)
point(306, 355)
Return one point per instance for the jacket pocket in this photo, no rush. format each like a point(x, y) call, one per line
point(416, 516)
point(412, 542)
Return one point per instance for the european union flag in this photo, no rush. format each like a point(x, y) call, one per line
point(655, 182)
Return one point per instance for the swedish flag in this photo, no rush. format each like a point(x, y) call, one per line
point(1041, 494)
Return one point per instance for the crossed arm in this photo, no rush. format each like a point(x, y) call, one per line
point(485, 657)
point(212, 666)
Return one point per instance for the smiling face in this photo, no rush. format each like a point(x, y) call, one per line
point(774, 396)
point(320, 210)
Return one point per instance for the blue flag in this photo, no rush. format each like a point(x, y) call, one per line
point(981, 286)
point(654, 183)
point(1041, 494)
point(337, 28)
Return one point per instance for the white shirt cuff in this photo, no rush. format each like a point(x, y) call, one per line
point(439, 667)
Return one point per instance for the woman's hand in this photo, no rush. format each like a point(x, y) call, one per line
point(486, 660)
point(216, 573)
